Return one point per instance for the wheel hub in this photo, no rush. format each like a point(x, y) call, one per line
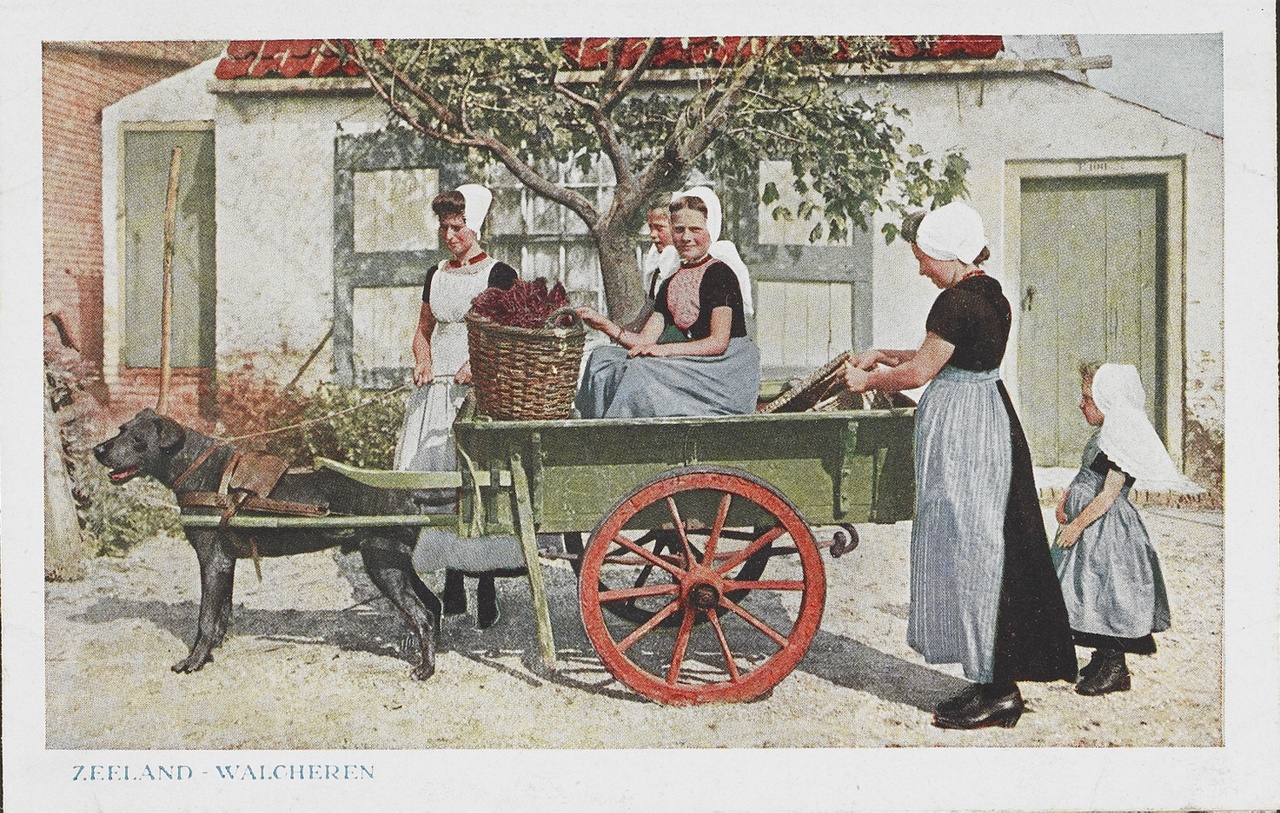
point(704, 596)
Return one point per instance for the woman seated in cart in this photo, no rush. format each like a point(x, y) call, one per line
point(693, 355)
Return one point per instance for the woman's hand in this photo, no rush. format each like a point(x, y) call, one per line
point(856, 378)
point(655, 350)
point(595, 319)
point(866, 360)
point(422, 374)
point(463, 376)
point(1061, 511)
point(1070, 535)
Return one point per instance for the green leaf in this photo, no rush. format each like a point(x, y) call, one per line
point(770, 193)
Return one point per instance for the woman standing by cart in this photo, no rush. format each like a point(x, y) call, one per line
point(441, 372)
point(983, 588)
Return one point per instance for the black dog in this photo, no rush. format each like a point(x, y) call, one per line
point(191, 463)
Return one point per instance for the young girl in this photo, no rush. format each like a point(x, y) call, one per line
point(1109, 571)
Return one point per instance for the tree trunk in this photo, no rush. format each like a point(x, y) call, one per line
point(623, 289)
point(65, 550)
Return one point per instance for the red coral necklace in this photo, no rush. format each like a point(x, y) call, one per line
point(460, 263)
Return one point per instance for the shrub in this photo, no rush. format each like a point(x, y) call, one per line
point(117, 517)
point(353, 425)
point(363, 432)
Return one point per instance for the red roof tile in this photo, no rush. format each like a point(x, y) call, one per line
point(300, 58)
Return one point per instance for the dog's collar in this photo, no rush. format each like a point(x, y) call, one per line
point(177, 481)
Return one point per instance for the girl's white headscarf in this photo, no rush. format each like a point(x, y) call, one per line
point(723, 250)
point(1127, 436)
point(952, 232)
point(478, 199)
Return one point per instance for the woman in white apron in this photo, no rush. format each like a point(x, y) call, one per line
point(442, 372)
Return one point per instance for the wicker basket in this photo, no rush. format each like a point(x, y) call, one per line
point(521, 374)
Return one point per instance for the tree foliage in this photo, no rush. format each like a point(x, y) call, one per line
point(524, 103)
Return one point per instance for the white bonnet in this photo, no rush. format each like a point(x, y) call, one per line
point(952, 232)
point(478, 199)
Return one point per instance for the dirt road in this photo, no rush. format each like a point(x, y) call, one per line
point(312, 662)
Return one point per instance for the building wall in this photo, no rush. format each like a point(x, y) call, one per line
point(275, 159)
point(999, 121)
point(275, 156)
point(78, 81)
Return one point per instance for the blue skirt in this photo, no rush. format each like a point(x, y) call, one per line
point(615, 386)
point(963, 469)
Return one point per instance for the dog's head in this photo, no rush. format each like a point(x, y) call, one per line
point(144, 445)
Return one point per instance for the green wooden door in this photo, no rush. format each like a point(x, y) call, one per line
point(1092, 289)
point(145, 191)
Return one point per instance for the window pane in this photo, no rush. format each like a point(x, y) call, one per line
point(583, 267)
point(382, 324)
point(504, 214)
point(393, 210)
point(542, 261)
point(546, 216)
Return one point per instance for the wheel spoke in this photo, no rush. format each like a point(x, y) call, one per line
point(682, 642)
point(778, 638)
point(645, 554)
point(766, 584)
point(647, 627)
point(684, 537)
point(639, 592)
point(717, 527)
point(724, 647)
point(746, 553)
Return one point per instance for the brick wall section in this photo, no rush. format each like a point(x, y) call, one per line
point(79, 79)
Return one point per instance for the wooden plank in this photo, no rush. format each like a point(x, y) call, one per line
point(416, 480)
point(387, 521)
point(522, 509)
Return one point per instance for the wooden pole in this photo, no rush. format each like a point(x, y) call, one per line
point(166, 301)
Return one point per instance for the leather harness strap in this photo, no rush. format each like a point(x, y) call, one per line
point(244, 477)
point(251, 502)
point(177, 481)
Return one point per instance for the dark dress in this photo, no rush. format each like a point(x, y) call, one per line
point(1032, 636)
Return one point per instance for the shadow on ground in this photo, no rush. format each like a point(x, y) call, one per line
point(371, 626)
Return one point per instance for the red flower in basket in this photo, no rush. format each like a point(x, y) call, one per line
point(524, 362)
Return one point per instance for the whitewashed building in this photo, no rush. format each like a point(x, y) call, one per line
point(304, 223)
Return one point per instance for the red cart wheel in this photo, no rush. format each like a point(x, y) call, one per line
point(744, 649)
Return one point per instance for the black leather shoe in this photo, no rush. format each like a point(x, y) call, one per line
point(1002, 709)
point(1112, 675)
point(1094, 664)
point(954, 704)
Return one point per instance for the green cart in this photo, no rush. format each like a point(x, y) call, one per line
point(700, 578)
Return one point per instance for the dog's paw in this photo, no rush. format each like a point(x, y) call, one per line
point(192, 663)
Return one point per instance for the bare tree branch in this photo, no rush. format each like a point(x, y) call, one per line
point(609, 141)
point(520, 168)
point(611, 99)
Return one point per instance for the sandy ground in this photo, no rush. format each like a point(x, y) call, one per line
point(313, 661)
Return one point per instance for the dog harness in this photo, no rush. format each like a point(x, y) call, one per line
point(247, 482)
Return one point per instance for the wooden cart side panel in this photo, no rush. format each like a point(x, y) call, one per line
point(835, 467)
